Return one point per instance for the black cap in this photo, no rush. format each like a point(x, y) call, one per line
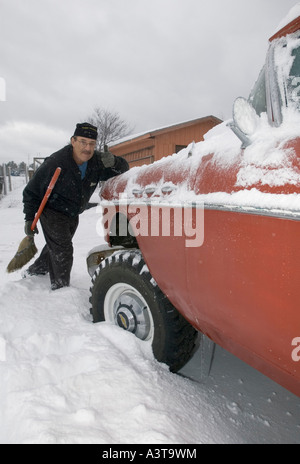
point(87, 130)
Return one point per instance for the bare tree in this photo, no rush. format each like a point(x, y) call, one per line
point(110, 126)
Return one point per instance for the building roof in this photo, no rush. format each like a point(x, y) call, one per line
point(152, 133)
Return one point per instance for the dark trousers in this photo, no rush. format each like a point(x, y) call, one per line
point(57, 255)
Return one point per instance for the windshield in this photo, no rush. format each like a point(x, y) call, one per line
point(287, 67)
point(257, 96)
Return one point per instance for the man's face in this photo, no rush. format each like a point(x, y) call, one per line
point(83, 149)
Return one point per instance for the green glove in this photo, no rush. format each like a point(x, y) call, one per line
point(28, 230)
point(107, 158)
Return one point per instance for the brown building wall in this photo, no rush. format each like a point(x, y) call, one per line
point(152, 146)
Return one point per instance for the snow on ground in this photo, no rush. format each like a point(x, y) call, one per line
point(67, 380)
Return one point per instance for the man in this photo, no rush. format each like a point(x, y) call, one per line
point(81, 169)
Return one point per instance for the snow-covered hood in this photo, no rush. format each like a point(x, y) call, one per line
point(217, 171)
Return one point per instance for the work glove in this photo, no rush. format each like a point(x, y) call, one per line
point(28, 230)
point(107, 158)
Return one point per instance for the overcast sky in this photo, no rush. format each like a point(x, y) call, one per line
point(155, 62)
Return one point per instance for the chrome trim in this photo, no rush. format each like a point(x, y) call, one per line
point(243, 137)
point(269, 212)
point(168, 189)
point(277, 213)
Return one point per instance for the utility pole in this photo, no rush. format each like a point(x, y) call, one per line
point(3, 98)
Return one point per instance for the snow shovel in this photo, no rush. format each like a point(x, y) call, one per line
point(27, 248)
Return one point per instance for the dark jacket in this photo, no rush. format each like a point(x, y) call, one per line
point(70, 195)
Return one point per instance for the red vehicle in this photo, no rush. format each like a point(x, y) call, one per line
point(208, 239)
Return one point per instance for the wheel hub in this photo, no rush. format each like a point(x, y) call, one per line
point(126, 319)
point(131, 314)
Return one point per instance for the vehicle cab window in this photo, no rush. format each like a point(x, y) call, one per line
point(287, 65)
point(278, 84)
point(257, 96)
point(294, 78)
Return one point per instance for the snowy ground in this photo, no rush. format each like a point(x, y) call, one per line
point(66, 380)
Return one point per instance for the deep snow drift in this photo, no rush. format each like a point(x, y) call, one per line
point(67, 380)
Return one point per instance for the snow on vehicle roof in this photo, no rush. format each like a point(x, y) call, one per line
point(292, 14)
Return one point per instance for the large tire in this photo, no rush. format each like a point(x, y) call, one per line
point(124, 293)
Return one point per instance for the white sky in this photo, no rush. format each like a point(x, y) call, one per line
point(155, 62)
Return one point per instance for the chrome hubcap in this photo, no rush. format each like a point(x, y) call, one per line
point(125, 306)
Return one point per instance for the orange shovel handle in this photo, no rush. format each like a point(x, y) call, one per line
point(46, 196)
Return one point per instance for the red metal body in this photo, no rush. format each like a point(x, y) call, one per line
point(241, 287)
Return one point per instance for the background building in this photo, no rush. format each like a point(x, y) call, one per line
point(153, 145)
